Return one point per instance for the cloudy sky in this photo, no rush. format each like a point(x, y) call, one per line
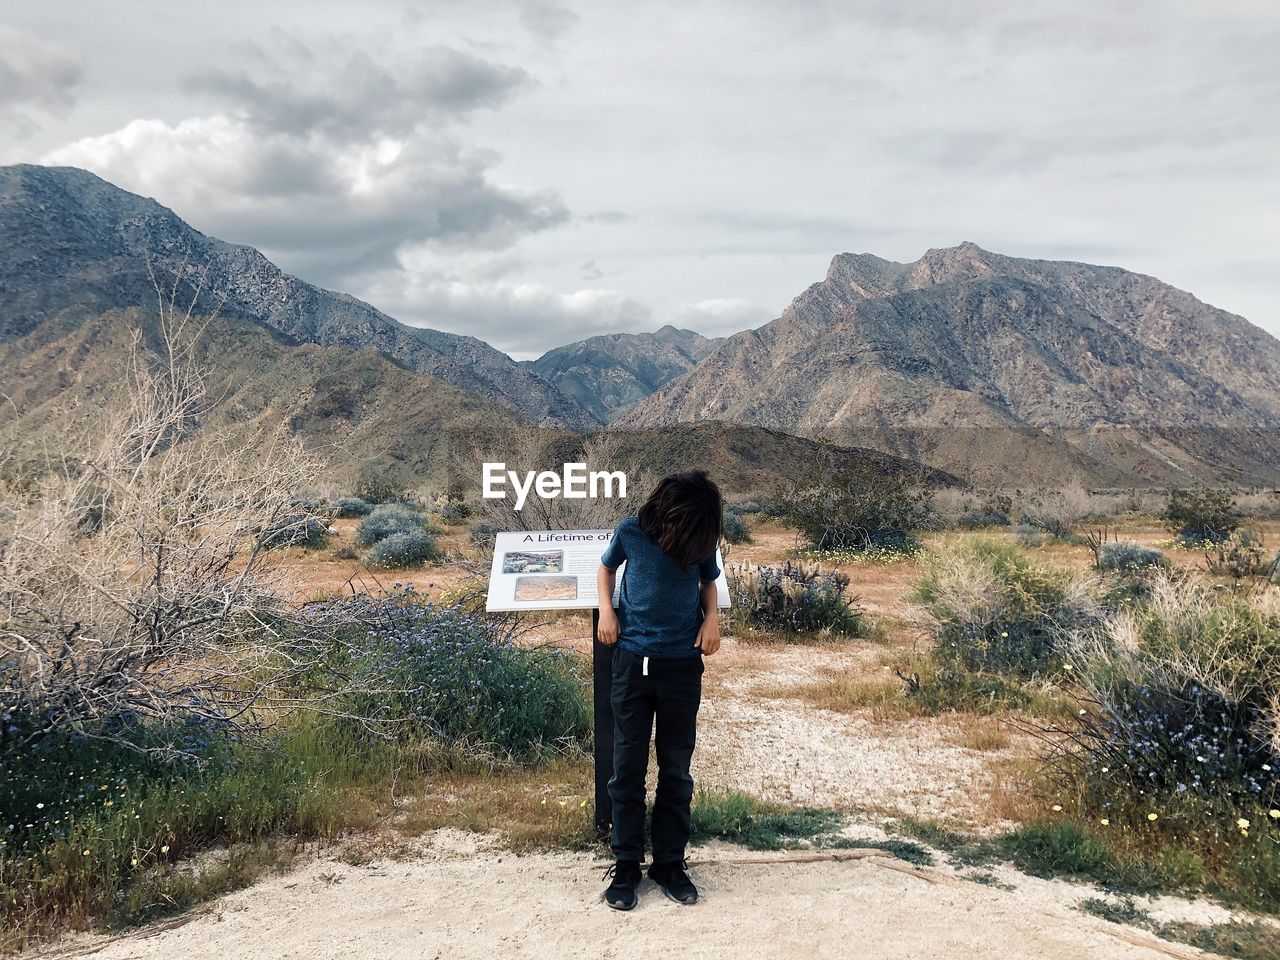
point(535, 172)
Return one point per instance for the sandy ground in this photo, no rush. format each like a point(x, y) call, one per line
point(458, 900)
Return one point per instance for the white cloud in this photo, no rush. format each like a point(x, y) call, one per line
point(330, 173)
point(710, 152)
point(720, 317)
point(523, 319)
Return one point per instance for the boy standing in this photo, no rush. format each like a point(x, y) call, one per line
point(666, 622)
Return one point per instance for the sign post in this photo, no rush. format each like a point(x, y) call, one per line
point(601, 695)
point(556, 570)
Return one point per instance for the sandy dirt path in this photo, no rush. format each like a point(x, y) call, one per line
point(454, 902)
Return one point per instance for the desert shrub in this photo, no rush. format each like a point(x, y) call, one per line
point(153, 605)
point(482, 533)
point(1242, 554)
point(1203, 516)
point(939, 685)
point(856, 505)
point(452, 677)
point(378, 491)
point(1059, 512)
point(348, 507)
point(977, 519)
point(746, 506)
point(453, 511)
point(297, 530)
point(794, 598)
point(400, 550)
point(387, 520)
point(991, 609)
point(742, 819)
point(1178, 746)
point(735, 530)
point(1186, 695)
point(1128, 556)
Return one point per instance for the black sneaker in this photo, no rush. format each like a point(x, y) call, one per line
point(675, 883)
point(621, 894)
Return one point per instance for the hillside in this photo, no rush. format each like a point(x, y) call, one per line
point(606, 373)
point(364, 415)
point(1001, 369)
point(73, 246)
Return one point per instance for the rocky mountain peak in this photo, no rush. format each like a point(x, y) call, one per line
point(991, 365)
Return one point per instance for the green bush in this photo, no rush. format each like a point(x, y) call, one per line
point(389, 519)
point(1185, 689)
point(348, 507)
point(735, 530)
point(482, 533)
point(453, 512)
point(856, 505)
point(991, 609)
point(794, 598)
point(401, 550)
point(297, 530)
point(977, 519)
point(1241, 555)
point(1128, 556)
point(451, 677)
point(378, 491)
point(1202, 516)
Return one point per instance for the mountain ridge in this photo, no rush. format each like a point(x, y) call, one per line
point(73, 245)
point(1095, 370)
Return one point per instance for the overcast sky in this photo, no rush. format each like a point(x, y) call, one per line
point(532, 173)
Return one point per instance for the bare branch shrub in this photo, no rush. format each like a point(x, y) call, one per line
point(1059, 512)
point(134, 581)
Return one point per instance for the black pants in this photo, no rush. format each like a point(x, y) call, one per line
point(669, 692)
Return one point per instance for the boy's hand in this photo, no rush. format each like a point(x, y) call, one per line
point(607, 629)
point(708, 636)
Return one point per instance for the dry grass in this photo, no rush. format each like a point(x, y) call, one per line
point(984, 734)
point(538, 808)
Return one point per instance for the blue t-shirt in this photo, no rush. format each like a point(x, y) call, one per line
point(659, 606)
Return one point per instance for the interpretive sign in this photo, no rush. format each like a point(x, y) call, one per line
point(555, 570)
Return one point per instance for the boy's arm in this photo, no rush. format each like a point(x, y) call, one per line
point(607, 631)
point(709, 633)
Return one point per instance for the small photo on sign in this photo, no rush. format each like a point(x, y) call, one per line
point(541, 561)
point(546, 588)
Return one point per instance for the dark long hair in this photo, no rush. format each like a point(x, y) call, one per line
point(684, 516)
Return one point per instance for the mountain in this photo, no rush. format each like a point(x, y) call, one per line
point(606, 373)
point(73, 246)
point(1001, 369)
point(364, 415)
